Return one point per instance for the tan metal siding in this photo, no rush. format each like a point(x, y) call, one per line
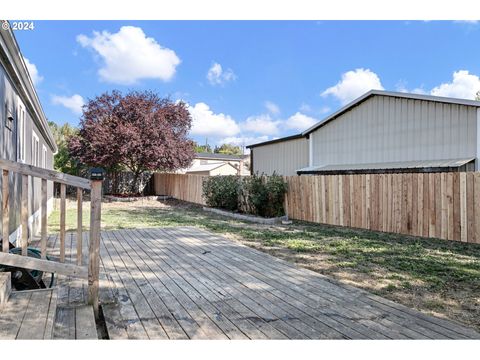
point(284, 157)
point(388, 129)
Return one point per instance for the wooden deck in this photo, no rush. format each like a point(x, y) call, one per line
point(28, 315)
point(57, 313)
point(186, 283)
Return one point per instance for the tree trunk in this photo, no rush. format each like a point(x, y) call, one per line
point(135, 188)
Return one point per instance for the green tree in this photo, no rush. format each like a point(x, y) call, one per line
point(63, 161)
point(228, 149)
point(202, 148)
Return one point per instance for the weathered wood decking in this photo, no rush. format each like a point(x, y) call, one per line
point(28, 315)
point(56, 313)
point(183, 282)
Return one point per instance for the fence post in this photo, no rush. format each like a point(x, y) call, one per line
point(94, 245)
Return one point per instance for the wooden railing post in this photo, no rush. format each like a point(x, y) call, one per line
point(43, 241)
point(94, 245)
point(24, 215)
point(63, 215)
point(79, 225)
point(6, 211)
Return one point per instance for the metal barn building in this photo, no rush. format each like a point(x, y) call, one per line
point(283, 156)
point(390, 132)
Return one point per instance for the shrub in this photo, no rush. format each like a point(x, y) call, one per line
point(257, 194)
point(222, 192)
point(265, 195)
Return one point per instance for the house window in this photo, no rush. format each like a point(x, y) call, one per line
point(21, 134)
point(35, 150)
point(44, 156)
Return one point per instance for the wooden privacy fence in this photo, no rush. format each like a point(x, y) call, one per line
point(78, 269)
point(440, 205)
point(184, 187)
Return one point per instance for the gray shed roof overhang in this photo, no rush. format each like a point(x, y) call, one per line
point(417, 165)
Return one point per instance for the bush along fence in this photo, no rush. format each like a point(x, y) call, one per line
point(254, 195)
point(440, 205)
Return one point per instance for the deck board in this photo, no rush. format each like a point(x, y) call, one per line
point(183, 282)
point(188, 283)
point(311, 285)
point(28, 315)
point(337, 306)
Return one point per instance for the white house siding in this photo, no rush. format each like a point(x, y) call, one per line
point(196, 162)
point(9, 150)
point(283, 157)
point(388, 129)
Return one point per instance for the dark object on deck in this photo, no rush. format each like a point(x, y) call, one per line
point(10, 245)
point(26, 279)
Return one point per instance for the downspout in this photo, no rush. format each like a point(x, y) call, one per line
point(310, 149)
point(477, 158)
point(251, 162)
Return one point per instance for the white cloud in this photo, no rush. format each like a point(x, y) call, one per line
point(324, 109)
point(401, 86)
point(464, 85)
point(353, 84)
point(305, 107)
point(207, 123)
point(73, 103)
point(261, 124)
point(470, 22)
point(272, 107)
point(300, 122)
point(217, 76)
point(33, 71)
point(129, 55)
point(244, 141)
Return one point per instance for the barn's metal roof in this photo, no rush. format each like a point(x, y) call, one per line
point(286, 138)
point(364, 97)
point(417, 164)
point(371, 93)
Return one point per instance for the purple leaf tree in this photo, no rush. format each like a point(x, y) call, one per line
point(138, 132)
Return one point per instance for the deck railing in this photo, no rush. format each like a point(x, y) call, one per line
point(88, 271)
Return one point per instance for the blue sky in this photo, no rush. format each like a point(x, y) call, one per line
point(249, 81)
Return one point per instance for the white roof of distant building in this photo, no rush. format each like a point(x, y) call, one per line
point(208, 167)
